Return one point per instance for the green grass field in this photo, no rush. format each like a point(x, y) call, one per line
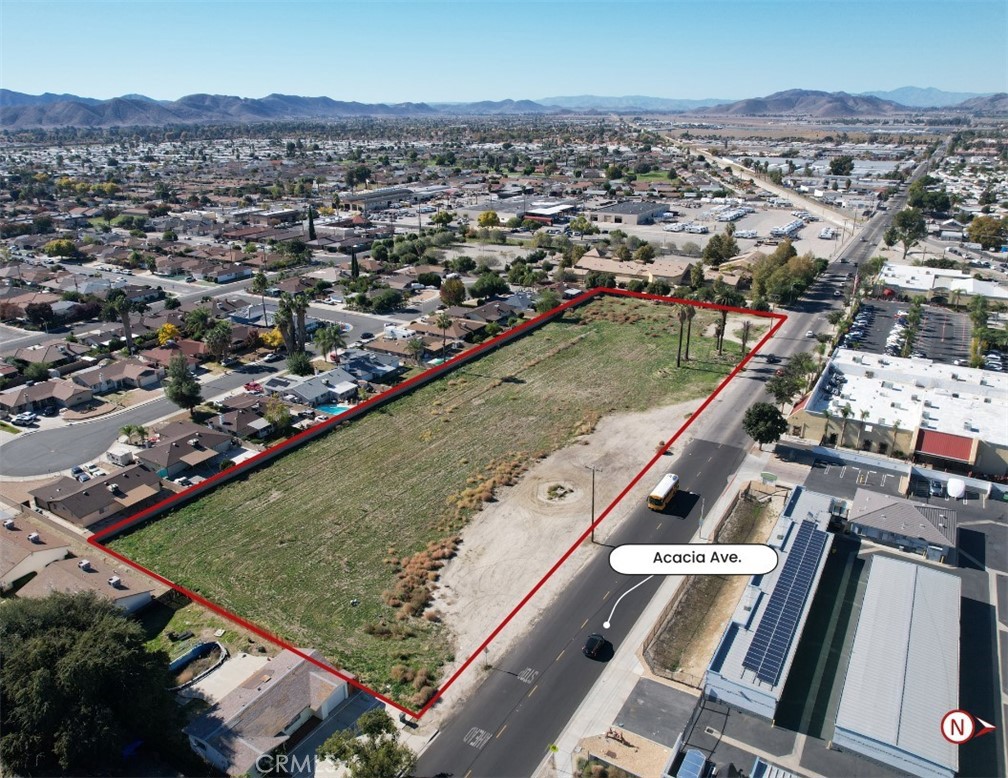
point(370, 511)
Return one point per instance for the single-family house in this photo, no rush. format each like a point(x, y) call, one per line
point(241, 423)
point(99, 499)
point(120, 374)
point(261, 714)
point(26, 547)
point(182, 445)
point(123, 586)
point(54, 393)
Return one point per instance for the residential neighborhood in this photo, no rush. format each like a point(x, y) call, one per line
point(363, 413)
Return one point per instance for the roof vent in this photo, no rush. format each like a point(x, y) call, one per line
point(34, 537)
point(84, 565)
point(115, 581)
point(192, 441)
point(9, 524)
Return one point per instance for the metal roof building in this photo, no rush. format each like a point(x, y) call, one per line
point(903, 674)
point(753, 659)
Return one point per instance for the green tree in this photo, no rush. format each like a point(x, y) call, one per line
point(783, 387)
point(764, 423)
point(489, 284)
point(260, 283)
point(299, 363)
point(841, 166)
point(77, 686)
point(328, 339)
point(387, 300)
point(645, 253)
point(311, 223)
point(355, 263)
point(744, 334)
point(890, 237)
point(416, 349)
point(690, 313)
point(442, 218)
point(218, 339)
point(374, 751)
point(910, 228)
point(443, 322)
point(725, 295)
point(988, 231)
point(582, 226)
point(40, 314)
point(37, 371)
point(197, 322)
point(61, 247)
point(278, 414)
point(720, 248)
point(547, 301)
point(181, 386)
point(452, 292)
point(488, 219)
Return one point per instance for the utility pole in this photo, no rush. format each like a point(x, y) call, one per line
point(703, 502)
point(592, 519)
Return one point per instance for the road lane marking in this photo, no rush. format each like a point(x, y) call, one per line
point(585, 622)
point(606, 595)
point(477, 738)
point(528, 675)
point(501, 731)
point(560, 655)
point(659, 525)
point(468, 774)
point(533, 691)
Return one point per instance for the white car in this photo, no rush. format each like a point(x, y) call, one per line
point(810, 334)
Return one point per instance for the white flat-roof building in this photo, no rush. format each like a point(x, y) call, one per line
point(903, 674)
point(753, 659)
point(941, 414)
point(938, 282)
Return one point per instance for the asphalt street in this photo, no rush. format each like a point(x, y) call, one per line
point(507, 726)
point(49, 451)
point(529, 694)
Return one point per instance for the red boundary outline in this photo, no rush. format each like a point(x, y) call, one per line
point(316, 431)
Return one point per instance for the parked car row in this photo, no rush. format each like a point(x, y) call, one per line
point(862, 321)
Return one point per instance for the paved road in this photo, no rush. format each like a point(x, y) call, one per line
point(507, 726)
point(49, 451)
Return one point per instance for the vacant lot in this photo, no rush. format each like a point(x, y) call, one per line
point(338, 545)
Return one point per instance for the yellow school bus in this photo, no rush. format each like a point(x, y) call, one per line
point(663, 492)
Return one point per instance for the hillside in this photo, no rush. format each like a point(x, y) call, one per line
point(996, 104)
point(810, 103)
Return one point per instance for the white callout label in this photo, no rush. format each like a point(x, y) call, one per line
point(693, 559)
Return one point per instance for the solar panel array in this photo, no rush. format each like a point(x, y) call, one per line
point(776, 629)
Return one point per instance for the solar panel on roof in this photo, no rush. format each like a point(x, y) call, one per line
point(772, 639)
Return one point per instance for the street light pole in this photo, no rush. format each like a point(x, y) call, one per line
point(703, 501)
point(593, 505)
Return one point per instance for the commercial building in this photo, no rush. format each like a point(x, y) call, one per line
point(629, 212)
point(946, 416)
point(935, 283)
point(753, 659)
point(928, 530)
point(375, 199)
point(903, 674)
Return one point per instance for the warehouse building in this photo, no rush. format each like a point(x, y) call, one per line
point(903, 674)
point(752, 661)
point(628, 212)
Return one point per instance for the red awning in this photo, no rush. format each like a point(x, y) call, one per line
point(946, 446)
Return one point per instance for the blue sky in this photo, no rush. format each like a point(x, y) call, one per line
point(461, 50)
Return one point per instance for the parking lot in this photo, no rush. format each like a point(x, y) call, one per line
point(944, 335)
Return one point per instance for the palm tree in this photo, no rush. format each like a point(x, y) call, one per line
point(127, 431)
point(443, 322)
point(328, 339)
point(828, 416)
point(725, 295)
point(416, 348)
point(864, 415)
point(745, 334)
point(299, 305)
point(845, 412)
point(118, 304)
point(259, 286)
point(283, 320)
point(690, 313)
point(955, 297)
point(680, 311)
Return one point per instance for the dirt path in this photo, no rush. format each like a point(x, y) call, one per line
point(513, 542)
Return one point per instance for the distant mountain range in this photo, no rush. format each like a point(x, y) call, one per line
point(22, 111)
point(916, 97)
point(627, 103)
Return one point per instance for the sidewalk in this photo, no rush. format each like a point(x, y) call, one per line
point(602, 704)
